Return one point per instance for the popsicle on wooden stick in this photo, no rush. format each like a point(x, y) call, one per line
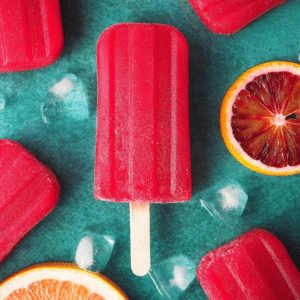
point(142, 140)
point(230, 16)
point(28, 192)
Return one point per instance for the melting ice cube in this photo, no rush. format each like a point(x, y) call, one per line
point(84, 256)
point(93, 250)
point(226, 203)
point(173, 276)
point(2, 101)
point(66, 98)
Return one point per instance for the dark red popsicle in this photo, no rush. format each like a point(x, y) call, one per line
point(31, 35)
point(254, 266)
point(229, 16)
point(28, 192)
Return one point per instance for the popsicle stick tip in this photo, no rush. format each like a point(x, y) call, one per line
point(140, 270)
point(140, 237)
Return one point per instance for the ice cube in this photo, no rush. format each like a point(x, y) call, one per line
point(2, 101)
point(226, 203)
point(173, 275)
point(66, 98)
point(93, 250)
point(84, 256)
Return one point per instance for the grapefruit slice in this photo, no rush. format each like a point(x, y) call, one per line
point(57, 281)
point(260, 118)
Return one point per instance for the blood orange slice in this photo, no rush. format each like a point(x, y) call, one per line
point(260, 118)
point(57, 281)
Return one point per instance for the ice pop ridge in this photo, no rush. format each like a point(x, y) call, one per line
point(142, 147)
point(28, 192)
point(254, 266)
point(229, 16)
point(31, 34)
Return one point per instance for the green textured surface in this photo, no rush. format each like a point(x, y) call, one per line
point(68, 147)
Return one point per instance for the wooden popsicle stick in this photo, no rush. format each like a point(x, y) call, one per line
point(140, 237)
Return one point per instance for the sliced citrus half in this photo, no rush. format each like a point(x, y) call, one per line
point(260, 118)
point(59, 281)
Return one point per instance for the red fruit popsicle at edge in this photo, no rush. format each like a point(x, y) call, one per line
point(28, 192)
point(229, 16)
point(142, 140)
point(31, 34)
point(254, 266)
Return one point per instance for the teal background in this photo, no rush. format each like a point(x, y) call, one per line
point(67, 147)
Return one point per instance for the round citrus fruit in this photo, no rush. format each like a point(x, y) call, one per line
point(260, 118)
point(58, 281)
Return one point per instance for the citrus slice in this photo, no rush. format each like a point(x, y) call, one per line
point(58, 281)
point(260, 118)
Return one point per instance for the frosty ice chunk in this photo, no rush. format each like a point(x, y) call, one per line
point(93, 250)
point(173, 275)
point(226, 203)
point(2, 101)
point(66, 98)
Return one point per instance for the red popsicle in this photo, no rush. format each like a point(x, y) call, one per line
point(142, 141)
point(254, 266)
point(28, 192)
point(31, 35)
point(229, 16)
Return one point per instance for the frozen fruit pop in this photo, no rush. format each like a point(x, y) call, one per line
point(31, 34)
point(229, 16)
point(28, 192)
point(254, 266)
point(142, 140)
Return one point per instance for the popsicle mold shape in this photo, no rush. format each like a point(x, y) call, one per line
point(254, 266)
point(173, 276)
point(93, 249)
point(31, 34)
point(142, 139)
point(226, 203)
point(28, 192)
point(230, 16)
